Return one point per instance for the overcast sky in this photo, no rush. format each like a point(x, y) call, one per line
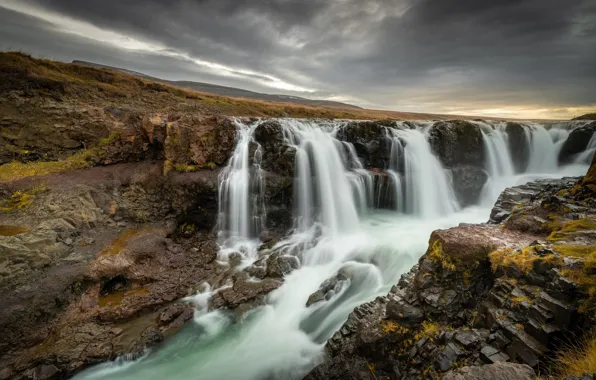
point(518, 58)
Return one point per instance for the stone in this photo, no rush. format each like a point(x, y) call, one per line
point(448, 356)
point(490, 355)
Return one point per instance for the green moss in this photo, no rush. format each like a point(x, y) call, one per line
point(80, 160)
point(569, 229)
point(106, 141)
point(523, 259)
point(21, 199)
point(436, 254)
point(167, 167)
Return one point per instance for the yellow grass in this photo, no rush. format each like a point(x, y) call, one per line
point(579, 359)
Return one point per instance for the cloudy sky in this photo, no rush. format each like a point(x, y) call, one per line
point(518, 58)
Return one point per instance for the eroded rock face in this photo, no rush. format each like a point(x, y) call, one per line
point(199, 140)
point(102, 247)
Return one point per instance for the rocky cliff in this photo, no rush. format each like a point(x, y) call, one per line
point(518, 289)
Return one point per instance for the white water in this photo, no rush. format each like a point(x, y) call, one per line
point(423, 188)
point(241, 204)
point(543, 144)
point(335, 229)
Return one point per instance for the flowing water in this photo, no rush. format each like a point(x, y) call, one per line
point(336, 228)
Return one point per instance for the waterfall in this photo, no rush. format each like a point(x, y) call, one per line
point(241, 189)
point(543, 150)
point(498, 162)
point(425, 188)
point(331, 187)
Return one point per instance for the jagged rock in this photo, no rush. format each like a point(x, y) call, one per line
point(497, 371)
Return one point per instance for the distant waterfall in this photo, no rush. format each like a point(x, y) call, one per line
point(420, 181)
point(241, 187)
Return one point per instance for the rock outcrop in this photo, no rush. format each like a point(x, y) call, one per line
point(483, 296)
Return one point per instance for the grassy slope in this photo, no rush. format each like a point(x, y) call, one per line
point(84, 84)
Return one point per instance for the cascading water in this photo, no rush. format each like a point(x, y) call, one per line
point(543, 150)
point(336, 230)
point(324, 185)
point(420, 181)
point(241, 203)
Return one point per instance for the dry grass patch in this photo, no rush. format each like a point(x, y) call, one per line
point(578, 359)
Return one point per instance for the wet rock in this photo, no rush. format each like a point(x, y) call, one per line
point(279, 265)
point(328, 288)
point(497, 371)
point(468, 182)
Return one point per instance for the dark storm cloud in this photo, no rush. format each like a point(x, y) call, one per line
point(433, 55)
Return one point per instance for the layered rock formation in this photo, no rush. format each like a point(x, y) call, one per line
point(483, 294)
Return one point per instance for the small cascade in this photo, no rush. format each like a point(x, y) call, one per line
point(420, 180)
point(241, 189)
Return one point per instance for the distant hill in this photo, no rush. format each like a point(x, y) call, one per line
point(588, 116)
point(227, 91)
